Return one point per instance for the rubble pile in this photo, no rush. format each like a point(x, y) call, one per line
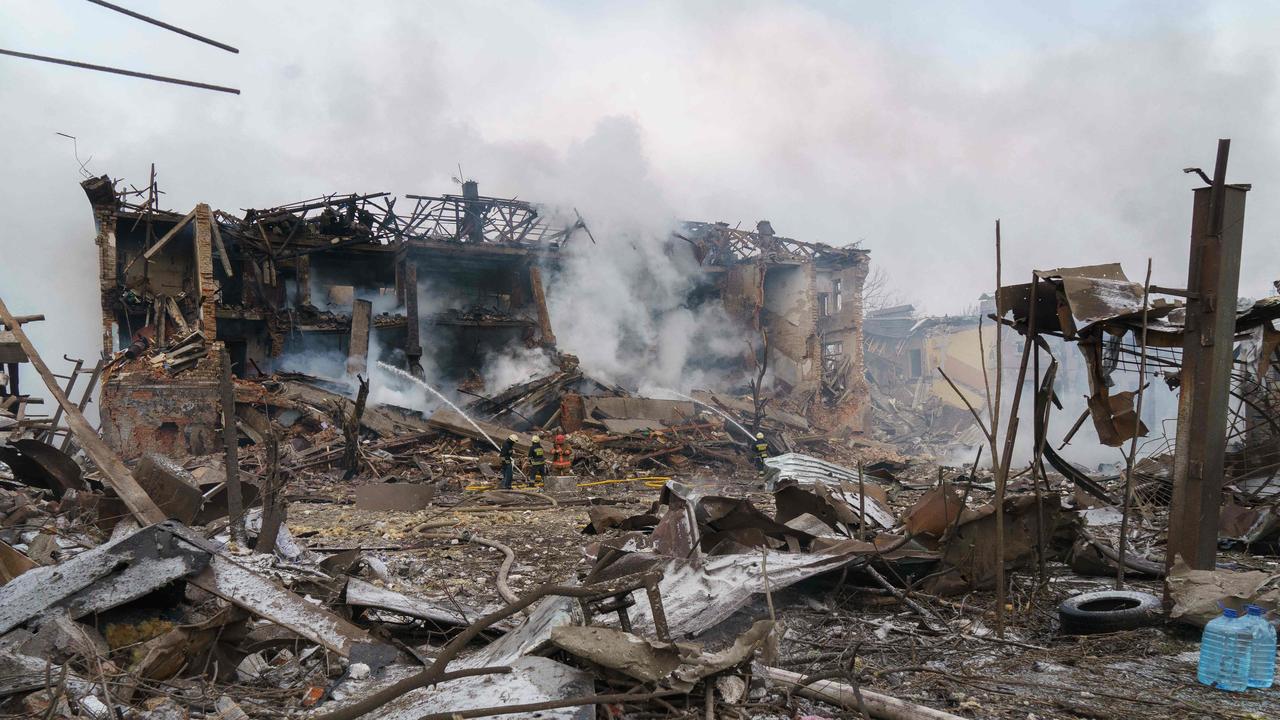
point(236, 540)
point(417, 590)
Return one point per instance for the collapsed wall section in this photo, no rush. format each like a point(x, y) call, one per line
point(143, 410)
point(790, 318)
point(807, 300)
point(839, 281)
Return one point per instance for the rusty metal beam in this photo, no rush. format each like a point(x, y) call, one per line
point(1217, 229)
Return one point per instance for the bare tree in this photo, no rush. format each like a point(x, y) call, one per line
point(762, 365)
point(351, 430)
point(877, 293)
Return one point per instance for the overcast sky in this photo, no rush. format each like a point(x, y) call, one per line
point(908, 126)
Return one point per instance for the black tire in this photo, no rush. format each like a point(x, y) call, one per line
point(1109, 611)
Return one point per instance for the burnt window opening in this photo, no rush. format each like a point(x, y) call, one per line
point(822, 305)
point(831, 353)
point(917, 363)
point(839, 301)
point(167, 434)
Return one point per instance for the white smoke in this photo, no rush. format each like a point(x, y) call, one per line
point(514, 365)
point(620, 298)
point(621, 302)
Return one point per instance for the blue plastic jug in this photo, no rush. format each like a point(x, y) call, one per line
point(1262, 662)
point(1225, 652)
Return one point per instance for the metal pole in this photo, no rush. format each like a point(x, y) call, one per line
point(231, 451)
point(1217, 228)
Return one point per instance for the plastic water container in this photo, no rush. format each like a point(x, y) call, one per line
point(1262, 663)
point(1224, 652)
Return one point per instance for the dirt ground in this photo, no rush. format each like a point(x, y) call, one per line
point(834, 625)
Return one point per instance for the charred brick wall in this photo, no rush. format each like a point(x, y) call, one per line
point(840, 328)
point(144, 410)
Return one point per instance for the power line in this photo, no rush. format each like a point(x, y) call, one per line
point(164, 25)
point(118, 71)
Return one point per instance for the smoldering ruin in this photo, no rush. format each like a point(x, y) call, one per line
point(404, 453)
point(296, 486)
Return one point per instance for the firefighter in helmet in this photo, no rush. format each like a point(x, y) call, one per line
point(561, 456)
point(537, 460)
point(760, 453)
point(507, 454)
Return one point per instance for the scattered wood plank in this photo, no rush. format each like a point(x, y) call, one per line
point(115, 471)
point(877, 704)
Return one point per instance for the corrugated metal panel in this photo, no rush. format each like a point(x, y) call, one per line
point(807, 470)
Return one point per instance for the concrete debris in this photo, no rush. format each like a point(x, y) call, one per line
point(322, 490)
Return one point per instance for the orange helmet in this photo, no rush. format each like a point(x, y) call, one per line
point(560, 438)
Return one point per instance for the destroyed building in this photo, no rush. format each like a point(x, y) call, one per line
point(266, 546)
point(343, 274)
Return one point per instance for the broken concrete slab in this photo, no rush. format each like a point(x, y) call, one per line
point(637, 408)
point(172, 488)
point(652, 661)
point(402, 497)
point(20, 673)
point(531, 680)
point(102, 578)
point(367, 595)
point(130, 567)
point(637, 657)
point(561, 484)
point(626, 426)
point(261, 596)
point(453, 422)
point(790, 419)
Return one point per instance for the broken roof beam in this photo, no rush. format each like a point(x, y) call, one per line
point(20, 319)
point(740, 244)
point(117, 474)
point(164, 239)
point(222, 249)
point(312, 204)
point(481, 220)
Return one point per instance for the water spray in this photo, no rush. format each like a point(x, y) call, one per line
point(447, 401)
point(456, 409)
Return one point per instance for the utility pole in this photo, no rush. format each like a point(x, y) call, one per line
point(1217, 229)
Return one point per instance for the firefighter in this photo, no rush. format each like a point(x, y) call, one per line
point(508, 453)
point(761, 453)
point(561, 456)
point(537, 460)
